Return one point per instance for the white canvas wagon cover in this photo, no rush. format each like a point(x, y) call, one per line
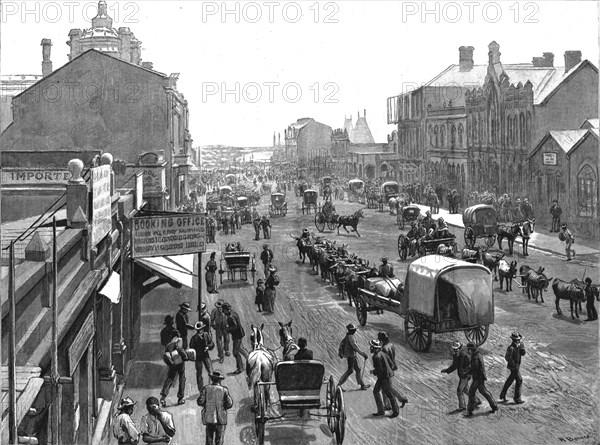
point(472, 282)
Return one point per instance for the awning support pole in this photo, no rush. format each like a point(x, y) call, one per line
point(12, 368)
point(199, 284)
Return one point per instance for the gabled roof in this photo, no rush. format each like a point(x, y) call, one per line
point(361, 134)
point(568, 140)
point(590, 123)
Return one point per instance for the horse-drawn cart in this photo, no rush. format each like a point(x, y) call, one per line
point(278, 205)
point(356, 191)
point(299, 385)
point(326, 217)
point(408, 213)
point(440, 295)
point(237, 264)
point(309, 200)
point(480, 221)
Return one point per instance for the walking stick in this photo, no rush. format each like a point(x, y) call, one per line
point(362, 374)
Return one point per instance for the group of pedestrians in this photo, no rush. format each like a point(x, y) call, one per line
point(261, 223)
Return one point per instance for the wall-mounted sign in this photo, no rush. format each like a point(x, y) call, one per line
point(101, 202)
point(34, 177)
point(139, 190)
point(154, 179)
point(172, 234)
point(550, 159)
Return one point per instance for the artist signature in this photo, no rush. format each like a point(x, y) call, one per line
point(573, 439)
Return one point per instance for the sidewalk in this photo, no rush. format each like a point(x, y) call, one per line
point(541, 239)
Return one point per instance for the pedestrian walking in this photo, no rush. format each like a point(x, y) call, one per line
point(348, 349)
point(174, 357)
point(388, 347)
point(526, 209)
point(479, 379)
point(461, 363)
point(218, 321)
point(202, 343)
point(232, 224)
point(271, 283)
point(382, 369)
point(235, 328)
point(256, 225)
point(266, 227)
point(215, 401)
point(204, 317)
point(266, 257)
point(182, 322)
point(124, 429)
point(555, 211)
point(303, 353)
point(259, 300)
point(157, 426)
point(566, 236)
point(211, 274)
point(589, 293)
point(225, 224)
point(513, 362)
point(166, 333)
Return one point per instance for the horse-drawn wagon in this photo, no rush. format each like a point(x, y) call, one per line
point(237, 264)
point(356, 191)
point(408, 214)
point(439, 295)
point(278, 205)
point(326, 217)
point(244, 209)
point(480, 221)
point(309, 200)
point(299, 385)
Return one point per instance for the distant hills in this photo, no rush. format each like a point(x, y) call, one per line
point(216, 155)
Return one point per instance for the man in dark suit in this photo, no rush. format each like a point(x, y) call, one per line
point(513, 362)
point(303, 353)
point(479, 378)
point(182, 322)
point(383, 370)
point(215, 400)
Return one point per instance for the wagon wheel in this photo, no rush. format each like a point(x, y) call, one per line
point(490, 240)
point(361, 311)
point(417, 333)
point(259, 418)
point(340, 421)
point(331, 224)
point(402, 247)
point(469, 237)
point(329, 403)
point(400, 222)
point(320, 222)
point(478, 335)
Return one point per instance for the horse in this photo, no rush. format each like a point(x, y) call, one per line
point(568, 291)
point(535, 282)
point(491, 261)
point(507, 272)
point(304, 246)
point(453, 201)
point(351, 221)
point(290, 348)
point(260, 363)
point(510, 232)
point(473, 255)
point(393, 203)
point(526, 231)
point(434, 203)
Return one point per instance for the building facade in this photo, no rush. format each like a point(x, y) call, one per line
point(308, 142)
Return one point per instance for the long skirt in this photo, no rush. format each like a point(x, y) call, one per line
point(269, 300)
point(211, 282)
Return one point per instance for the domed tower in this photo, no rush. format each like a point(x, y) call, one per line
point(103, 37)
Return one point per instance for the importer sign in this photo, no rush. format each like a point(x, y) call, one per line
point(34, 177)
point(173, 234)
point(101, 203)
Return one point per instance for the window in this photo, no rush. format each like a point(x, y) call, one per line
point(587, 194)
point(522, 129)
point(435, 131)
point(453, 136)
point(460, 135)
point(474, 122)
point(443, 136)
point(431, 140)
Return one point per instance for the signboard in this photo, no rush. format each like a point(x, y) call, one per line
point(34, 177)
point(139, 190)
point(168, 234)
point(101, 203)
point(81, 342)
point(154, 179)
point(550, 159)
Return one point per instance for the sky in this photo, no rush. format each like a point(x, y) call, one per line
point(249, 69)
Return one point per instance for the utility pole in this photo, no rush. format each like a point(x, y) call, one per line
point(56, 402)
point(12, 368)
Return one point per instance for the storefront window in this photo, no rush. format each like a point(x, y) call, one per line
point(587, 197)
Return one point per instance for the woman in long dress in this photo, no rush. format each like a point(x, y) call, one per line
point(210, 276)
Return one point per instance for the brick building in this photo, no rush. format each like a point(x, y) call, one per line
point(308, 144)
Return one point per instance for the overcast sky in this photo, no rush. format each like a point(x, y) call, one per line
point(280, 61)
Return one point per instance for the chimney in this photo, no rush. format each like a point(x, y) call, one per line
point(46, 62)
point(572, 58)
point(148, 65)
point(465, 58)
point(125, 43)
point(494, 53)
point(547, 61)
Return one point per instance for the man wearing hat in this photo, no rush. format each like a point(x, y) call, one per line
point(348, 350)
point(175, 370)
point(202, 343)
point(266, 227)
point(555, 211)
point(235, 328)
point(479, 378)
point(461, 363)
point(266, 257)
point(305, 235)
point(386, 270)
point(513, 362)
point(566, 236)
point(124, 429)
point(259, 300)
point(303, 353)
point(256, 225)
point(157, 426)
point(270, 292)
point(218, 321)
point(215, 401)
point(204, 317)
point(589, 305)
point(166, 332)
point(388, 347)
point(383, 370)
point(182, 322)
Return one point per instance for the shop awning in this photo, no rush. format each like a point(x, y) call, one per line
point(179, 268)
point(112, 288)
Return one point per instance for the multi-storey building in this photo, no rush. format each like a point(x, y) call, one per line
point(308, 143)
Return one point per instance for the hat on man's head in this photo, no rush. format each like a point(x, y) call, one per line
point(185, 306)
point(260, 281)
point(382, 336)
point(384, 259)
point(304, 230)
point(151, 401)
point(199, 326)
point(471, 345)
point(351, 327)
point(203, 306)
point(265, 246)
point(216, 375)
point(168, 319)
point(456, 345)
point(516, 336)
point(272, 268)
point(125, 403)
point(375, 344)
point(220, 302)
point(226, 307)
point(588, 280)
point(564, 226)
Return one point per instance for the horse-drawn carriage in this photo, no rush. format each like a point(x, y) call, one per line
point(226, 196)
point(356, 191)
point(309, 200)
point(373, 197)
point(244, 209)
point(326, 217)
point(299, 385)
point(426, 246)
point(326, 187)
point(237, 264)
point(408, 214)
point(278, 205)
point(480, 221)
point(440, 295)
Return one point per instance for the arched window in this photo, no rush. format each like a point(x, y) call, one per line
point(435, 132)
point(431, 140)
point(528, 128)
point(587, 192)
point(522, 129)
point(443, 136)
point(452, 136)
point(460, 135)
point(475, 132)
point(510, 130)
point(481, 129)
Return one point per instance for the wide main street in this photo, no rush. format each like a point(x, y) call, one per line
point(562, 354)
